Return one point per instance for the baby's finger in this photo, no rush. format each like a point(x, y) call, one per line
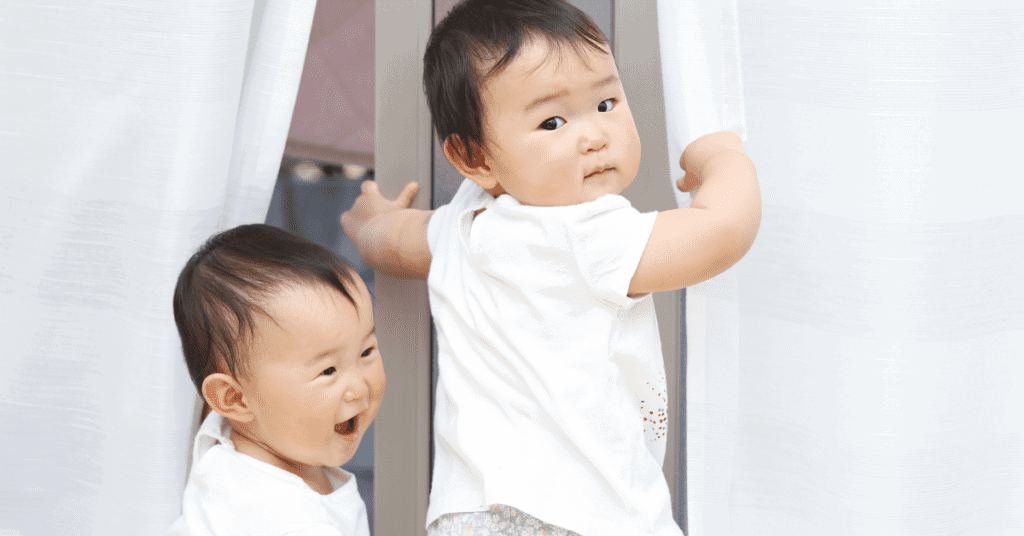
point(370, 187)
point(408, 194)
point(688, 182)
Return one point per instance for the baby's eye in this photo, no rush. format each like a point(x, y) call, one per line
point(606, 105)
point(328, 371)
point(368, 351)
point(552, 123)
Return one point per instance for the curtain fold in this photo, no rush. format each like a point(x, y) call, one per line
point(129, 132)
point(704, 93)
point(861, 371)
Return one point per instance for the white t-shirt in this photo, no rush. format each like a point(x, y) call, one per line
point(551, 391)
point(230, 493)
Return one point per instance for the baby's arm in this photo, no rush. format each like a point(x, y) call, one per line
point(389, 236)
point(690, 245)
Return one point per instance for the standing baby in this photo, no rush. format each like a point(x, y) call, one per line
point(278, 335)
point(550, 405)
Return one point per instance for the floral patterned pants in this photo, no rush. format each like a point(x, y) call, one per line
point(499, 520)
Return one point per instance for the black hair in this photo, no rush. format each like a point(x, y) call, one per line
point(224, 285)
point(475, 30)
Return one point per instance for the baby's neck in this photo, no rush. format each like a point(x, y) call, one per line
point(319, 481)
point(314, 476)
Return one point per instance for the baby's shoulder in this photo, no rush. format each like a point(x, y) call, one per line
point(225, 479)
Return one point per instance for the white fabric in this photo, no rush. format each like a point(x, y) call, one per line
point(130, 132)
point(703, 88)
point(860, 371)
point(230, 493)
point(547, 370)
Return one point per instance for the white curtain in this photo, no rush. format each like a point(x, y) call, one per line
point(129, 132)
point(861, 371)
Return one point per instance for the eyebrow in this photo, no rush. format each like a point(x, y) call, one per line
point(321, 355)
point(311, 361)
point(612, 78)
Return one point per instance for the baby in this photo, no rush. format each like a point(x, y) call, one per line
point(278, 336)
point(550, 404)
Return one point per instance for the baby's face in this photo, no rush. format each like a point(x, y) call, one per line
point(317, 377)
point(558, 128)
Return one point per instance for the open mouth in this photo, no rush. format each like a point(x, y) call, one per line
point(348, 427)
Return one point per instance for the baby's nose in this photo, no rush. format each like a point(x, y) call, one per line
point(592, 139)
point(357, 390)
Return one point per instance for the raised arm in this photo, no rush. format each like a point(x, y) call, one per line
point(390, 237)
point(690, 245)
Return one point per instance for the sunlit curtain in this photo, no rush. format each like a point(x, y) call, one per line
point(861, 371)
point(129, 132)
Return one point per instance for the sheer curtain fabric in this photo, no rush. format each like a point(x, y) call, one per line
point(860, 371)
point(130, 131)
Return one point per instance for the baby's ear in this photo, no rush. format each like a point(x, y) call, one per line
point(474, 167)
point(225, 396)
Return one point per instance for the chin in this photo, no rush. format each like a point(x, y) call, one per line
point(336, 457)
point(345, 451)
point(341, 460)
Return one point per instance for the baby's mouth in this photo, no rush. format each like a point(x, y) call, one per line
point(598, 172)
point(348, 427)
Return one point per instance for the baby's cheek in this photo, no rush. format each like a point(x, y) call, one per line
point(377, 383)
point(379, 389)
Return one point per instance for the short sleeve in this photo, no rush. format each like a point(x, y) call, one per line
point(608, 237)
point(445, 218)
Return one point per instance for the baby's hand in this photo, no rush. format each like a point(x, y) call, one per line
point(371, 206)
point(699, 152)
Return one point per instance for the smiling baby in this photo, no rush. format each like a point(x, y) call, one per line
point(278, 335)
